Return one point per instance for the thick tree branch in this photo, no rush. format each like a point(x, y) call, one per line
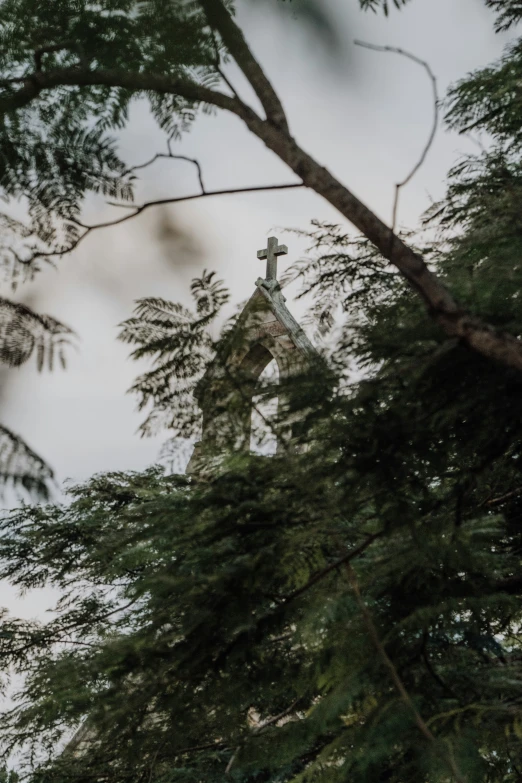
point(454, 320)
point(231, 35)
point(131, 80)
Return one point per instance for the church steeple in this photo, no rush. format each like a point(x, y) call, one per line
point(264, 330)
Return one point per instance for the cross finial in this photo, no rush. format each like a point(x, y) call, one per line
point(270, 253)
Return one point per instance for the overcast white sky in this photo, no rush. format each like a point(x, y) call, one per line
point(365, 116)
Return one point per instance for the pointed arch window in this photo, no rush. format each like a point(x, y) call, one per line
point(263, 431)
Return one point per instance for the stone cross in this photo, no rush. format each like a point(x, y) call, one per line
point(270, 253)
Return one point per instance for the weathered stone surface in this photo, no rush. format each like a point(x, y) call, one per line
point(265, 330)
point(271, 252)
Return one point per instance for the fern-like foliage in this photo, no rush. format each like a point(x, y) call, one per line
point(178, 341)
point(21, 468)
point(382, 5)
point(59, 149)
point(213, 625)
point(489, 101)
point(25, 334)
point(509, 12)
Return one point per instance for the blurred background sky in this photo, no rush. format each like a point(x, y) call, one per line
point(365, 115)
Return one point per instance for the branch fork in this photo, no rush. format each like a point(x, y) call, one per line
point(273, 131)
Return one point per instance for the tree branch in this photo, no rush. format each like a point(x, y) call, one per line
point(478, 335)
point(41, 50)
point(170, 156)
point(232, 36)
point(217, 66)
point(130, 80)
point(259, 730)
point(434, 126)
point(388, 663)
point(456, 322)
point(332, 567)
point(508, 496)
point(138, 209)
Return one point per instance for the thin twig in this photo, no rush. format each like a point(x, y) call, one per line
point(221, 20)
point(232, 760)
point(138, 209)
point(435, 124)
point(176, 200)
point(207, 746)
point(217, 66)
point(498, 501)
point(276, 718)
point(341, 561)
point(169, 155)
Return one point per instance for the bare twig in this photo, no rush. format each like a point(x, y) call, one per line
point(325, 571)
point(508, 496)
point(434, 126)
point(217, 66)
point(232, 36)
point(276, 718)
point(171, 156)
point(232, 760)
point(138, 209)
point(207, 746)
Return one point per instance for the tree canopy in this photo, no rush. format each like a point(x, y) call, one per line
point(346, 611)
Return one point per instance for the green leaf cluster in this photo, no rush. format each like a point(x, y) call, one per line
point(24, 334)
point(213, 625)
point(57, 150)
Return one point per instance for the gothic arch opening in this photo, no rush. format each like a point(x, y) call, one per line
point(263, 437)
point(262, 366)
point(265, 334)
